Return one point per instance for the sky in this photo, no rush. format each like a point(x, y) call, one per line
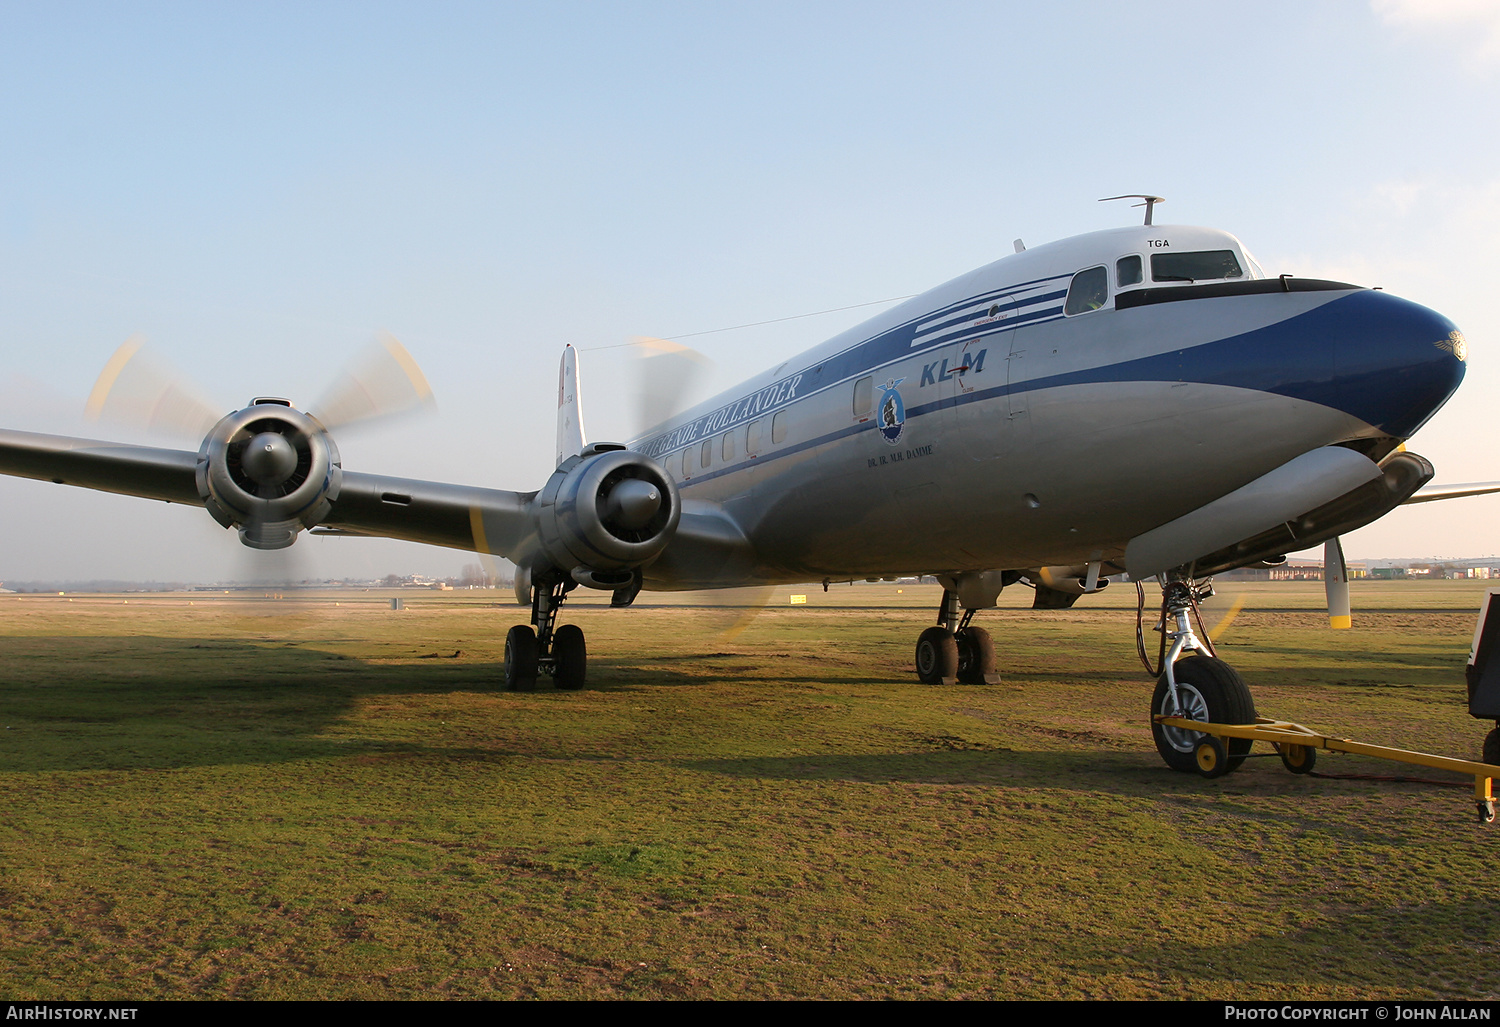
point(259, 189)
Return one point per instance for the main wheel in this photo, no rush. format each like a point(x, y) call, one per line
point(937, 656)
point(520, 658)
point(569, 657)
point(1211, 691)
point(976, 656)
point(1492, 747)
point(1491, 750)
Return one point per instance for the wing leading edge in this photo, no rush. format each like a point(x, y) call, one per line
point(456, 516)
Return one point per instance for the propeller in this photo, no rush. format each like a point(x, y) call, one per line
point(380, 382)
point(1232, 599)
point(726, 613)
point(666, 374)
point(140, 388)
point(1336, 584)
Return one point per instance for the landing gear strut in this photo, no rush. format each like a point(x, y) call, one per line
point(1200, 687)
point(559, 651)
point(953, 651)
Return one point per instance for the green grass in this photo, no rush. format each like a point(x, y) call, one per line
point(284, 800)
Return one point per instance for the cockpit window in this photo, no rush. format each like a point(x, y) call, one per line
point(1089, 290)
point(1202, 266)
point(1127, 271)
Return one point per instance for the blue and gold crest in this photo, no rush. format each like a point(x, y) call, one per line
point(891, 414)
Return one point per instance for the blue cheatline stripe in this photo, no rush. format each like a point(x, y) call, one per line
point(1363, 354)
point(861, 358)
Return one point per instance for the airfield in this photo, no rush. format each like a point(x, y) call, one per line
point(221, 796)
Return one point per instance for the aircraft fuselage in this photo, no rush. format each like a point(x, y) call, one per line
point(1049, 407)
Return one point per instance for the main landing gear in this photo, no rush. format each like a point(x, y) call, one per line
point(1200, 687)
point(558, 651)
point(953, 651)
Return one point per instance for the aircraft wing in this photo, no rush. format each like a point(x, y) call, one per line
point(1433, 493)
point(165, 474)
point(457, 516)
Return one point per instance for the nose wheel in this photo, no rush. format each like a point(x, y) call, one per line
point(546, 648)
point(1199, 687)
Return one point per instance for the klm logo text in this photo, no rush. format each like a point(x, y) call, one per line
point(939, 371)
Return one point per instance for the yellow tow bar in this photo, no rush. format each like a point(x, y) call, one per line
point(1298, 746)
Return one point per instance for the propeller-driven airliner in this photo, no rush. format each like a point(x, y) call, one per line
point(1141, 401)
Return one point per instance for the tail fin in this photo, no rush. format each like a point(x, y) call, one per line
point(569, 412)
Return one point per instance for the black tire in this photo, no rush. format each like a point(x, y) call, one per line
point(520, 658)
point(1299, 759)
point(937, 656)
point(1492, 747)
point(976, 655)
point(569, 657)
point(1211, 691)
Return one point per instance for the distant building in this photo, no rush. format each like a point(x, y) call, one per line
point(1312, 570)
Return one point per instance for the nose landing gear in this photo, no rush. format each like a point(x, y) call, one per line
point(559, 651)
point(1199, 687)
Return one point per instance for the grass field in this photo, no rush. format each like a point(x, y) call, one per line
point(208, 797)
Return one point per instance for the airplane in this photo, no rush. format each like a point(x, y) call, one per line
point(1142, 401)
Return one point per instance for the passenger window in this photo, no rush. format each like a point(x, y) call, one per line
point(1203, 266)
point(1128, 271)
point(778, 429)
point(864, 391)
point(687, 463)
point(728, 452)
point(708, 452)
point(1089, 290)
point(752, 437)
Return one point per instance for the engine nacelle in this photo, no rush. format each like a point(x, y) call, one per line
point(606, 512)
point(270, 471)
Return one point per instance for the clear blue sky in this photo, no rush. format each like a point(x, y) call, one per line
point(259, 188)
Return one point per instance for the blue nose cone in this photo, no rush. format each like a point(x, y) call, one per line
point(1395, 362)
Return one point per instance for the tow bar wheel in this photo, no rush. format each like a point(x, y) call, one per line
point(1299, 759)
point(1211, 758)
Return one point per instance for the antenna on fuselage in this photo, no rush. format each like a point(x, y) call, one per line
point(1150, 204)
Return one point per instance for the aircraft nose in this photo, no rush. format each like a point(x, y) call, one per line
point(1396, 362)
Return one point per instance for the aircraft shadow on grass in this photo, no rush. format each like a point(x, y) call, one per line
point(1407, 947)
point(149, 702)
point(160, 703)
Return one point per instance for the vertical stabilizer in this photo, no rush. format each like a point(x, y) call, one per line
point(569, 413)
